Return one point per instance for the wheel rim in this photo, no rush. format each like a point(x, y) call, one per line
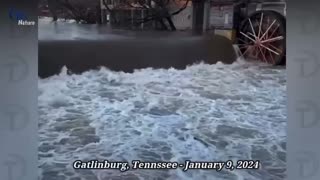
point(261, 39)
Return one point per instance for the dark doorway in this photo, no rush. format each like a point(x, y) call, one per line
point(198, 15)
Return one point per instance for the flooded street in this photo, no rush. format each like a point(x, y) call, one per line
point(203, 113)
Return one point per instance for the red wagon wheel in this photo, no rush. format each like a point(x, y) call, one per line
point(263, 37)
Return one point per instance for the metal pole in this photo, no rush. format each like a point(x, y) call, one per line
point(206, 15)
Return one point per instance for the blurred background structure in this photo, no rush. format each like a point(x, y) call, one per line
point(229, 18)
point(206, 15)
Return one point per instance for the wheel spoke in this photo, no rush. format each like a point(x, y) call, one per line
point(265, 53)
point(260, 25)
point(242, 40)
point(271, 56)
point(268, 21)
point(273, 39)
point(274, 30)
point(267, 24)
point(270, 49)
point(262, 53)
point(268, 29)
point(242, 45)
point(254, 32)
point(247, 36)
point(251, 34)
point(256, 52)
point(245, 51)
point(272, 46)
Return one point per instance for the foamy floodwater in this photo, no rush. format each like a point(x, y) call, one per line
point(204, 113)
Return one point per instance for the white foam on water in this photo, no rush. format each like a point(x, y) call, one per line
point(203, 113)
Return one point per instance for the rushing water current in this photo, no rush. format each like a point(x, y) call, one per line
point(203, 113)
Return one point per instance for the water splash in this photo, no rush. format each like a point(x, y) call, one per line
point(205, 112)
